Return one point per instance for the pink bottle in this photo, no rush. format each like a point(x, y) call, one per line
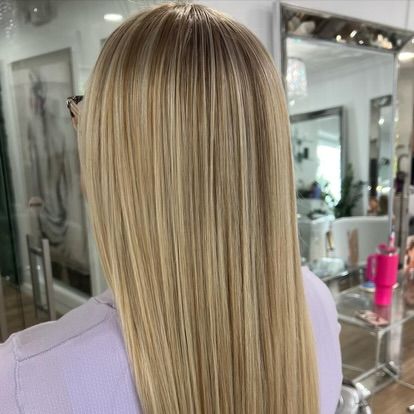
point(382, 269)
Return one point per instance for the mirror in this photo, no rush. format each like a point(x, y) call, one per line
point(343, 80)
point(403, 208)
point(321, 75)
point(340, 82)
point(317, 151)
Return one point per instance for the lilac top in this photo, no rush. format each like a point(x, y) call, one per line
point(78, 364)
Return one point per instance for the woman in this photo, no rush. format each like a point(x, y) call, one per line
point(187, 170)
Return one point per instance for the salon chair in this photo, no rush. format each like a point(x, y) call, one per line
point(372, 230)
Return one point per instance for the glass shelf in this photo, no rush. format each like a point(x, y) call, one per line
point(370, 353)
point(356, 299)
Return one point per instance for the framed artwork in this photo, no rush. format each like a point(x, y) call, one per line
point(49, 149)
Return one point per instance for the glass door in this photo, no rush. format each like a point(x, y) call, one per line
point(12, 316)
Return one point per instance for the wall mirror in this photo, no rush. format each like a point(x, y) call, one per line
point(341, 80)
point(350, 94)
point(318, 154)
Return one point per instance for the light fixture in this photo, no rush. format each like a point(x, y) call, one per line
point(296, 79)
point(361, 42)
point(382, 41)
point(381, 121)
point(353, 33)
point(113, 17)
point(405, 56)
point(338, 38)
point(8, 17)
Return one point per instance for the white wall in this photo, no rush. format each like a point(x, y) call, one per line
point(256, 15)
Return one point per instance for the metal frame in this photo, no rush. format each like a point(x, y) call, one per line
point(398, 37)
point(44, 253)
point(375, 105)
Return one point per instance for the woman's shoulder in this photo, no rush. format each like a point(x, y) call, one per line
point(53, 366)
point(318, 294)
point(46, 336)
point(326, 330)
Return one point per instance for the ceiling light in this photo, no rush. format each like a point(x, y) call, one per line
point(338, 38)
point(381, 121)
point(405, 56)
point(113, 17)
point(353, 33)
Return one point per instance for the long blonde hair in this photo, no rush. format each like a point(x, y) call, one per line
point(187, 169)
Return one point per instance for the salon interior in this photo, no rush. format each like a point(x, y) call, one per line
point(348, 71)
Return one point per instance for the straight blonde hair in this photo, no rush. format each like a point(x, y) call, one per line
point(187, 169)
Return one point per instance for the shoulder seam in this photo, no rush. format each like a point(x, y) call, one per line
point(16, 376)
point(101, 302)
point(108, 316)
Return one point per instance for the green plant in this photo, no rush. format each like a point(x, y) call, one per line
point(351, 192)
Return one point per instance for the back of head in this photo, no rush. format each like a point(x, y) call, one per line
point(187, 169)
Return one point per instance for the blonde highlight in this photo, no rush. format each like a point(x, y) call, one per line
point(187, 169)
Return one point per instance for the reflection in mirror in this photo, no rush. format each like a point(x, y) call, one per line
point(332, 91)
point(325, 75)
point(317, 138)
point(380, 150)
point(317, 143)
point(404, 149)
point(337, 62)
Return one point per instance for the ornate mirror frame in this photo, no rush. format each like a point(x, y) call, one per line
point(328, 27)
